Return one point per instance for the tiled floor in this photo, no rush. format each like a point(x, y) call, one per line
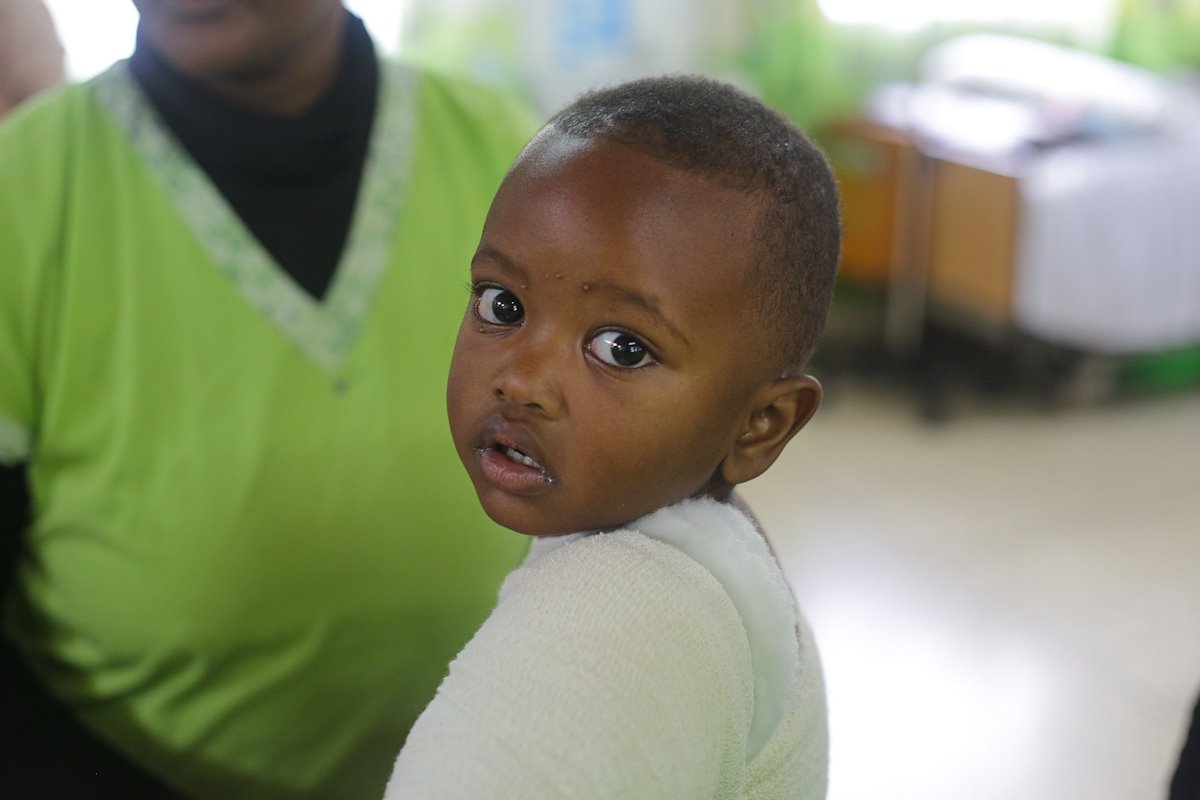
point(1008, 605)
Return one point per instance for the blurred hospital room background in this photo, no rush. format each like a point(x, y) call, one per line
point(993, 524)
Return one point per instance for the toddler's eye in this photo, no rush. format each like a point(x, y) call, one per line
point(620, 350)
point(498, 306)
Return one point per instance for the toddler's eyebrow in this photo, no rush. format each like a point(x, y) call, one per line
point(485, 253)
point(645, 303)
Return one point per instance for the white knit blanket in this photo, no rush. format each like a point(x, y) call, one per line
point(664, 660)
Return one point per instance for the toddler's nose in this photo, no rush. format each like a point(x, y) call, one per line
point(530, 379)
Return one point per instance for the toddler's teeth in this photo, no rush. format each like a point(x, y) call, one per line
point(519, 457)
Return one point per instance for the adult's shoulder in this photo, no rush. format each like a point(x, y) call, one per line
point(488, 120)
point(48, 111)
point(467, 95)
point(38, 138)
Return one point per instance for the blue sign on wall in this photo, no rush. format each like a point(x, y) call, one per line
point(586, 29)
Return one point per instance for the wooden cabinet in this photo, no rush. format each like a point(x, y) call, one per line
point(871, 163)
point(937, 234)
point(972, 241)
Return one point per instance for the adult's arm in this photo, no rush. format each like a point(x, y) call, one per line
point(47, 753)
point(614, 666)
point(31, 57)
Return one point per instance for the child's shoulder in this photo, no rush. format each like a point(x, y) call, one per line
point(689, 546)
point(624, 639)
point(696, 537)
point(626, 571)
point(615, 639)
point(691, 564)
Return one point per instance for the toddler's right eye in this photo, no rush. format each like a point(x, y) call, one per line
point(498, 306)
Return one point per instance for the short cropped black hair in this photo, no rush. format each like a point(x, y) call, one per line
point(710, 128)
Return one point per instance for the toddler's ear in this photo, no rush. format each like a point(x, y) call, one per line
point(780, 410)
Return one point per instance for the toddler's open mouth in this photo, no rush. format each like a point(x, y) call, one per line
point(508, 467)
point(517, 457)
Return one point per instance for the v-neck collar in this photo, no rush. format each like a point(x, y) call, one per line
point(326, 329)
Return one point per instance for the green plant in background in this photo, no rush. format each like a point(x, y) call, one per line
point(791, 57)
point(1168, 371)
point(1158, 34)
point(785, 50)
point(482, 44)
point(816, 71)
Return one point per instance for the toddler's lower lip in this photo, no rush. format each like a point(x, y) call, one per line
point(505, 474)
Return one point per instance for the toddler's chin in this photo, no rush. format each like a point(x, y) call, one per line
point(520, 523)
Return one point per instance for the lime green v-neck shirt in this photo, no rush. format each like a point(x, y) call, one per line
point(254, 549)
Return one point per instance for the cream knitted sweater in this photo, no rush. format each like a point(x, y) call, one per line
point(664, 660)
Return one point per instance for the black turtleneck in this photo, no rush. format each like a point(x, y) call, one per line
point(292, 181)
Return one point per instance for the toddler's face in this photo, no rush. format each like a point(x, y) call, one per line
point(609, 352)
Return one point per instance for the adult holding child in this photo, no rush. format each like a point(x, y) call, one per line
point(230, 288)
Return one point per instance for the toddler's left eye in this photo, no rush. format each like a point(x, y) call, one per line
point(620, 350)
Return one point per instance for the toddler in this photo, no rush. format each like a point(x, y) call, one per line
point(652, 277)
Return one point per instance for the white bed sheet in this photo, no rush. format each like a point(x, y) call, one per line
point(1108, 245)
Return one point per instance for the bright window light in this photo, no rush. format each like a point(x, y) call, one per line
point(95, 33)
point(1087, 16)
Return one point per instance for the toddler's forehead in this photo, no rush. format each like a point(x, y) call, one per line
point(608, 195)
point(556, 160)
